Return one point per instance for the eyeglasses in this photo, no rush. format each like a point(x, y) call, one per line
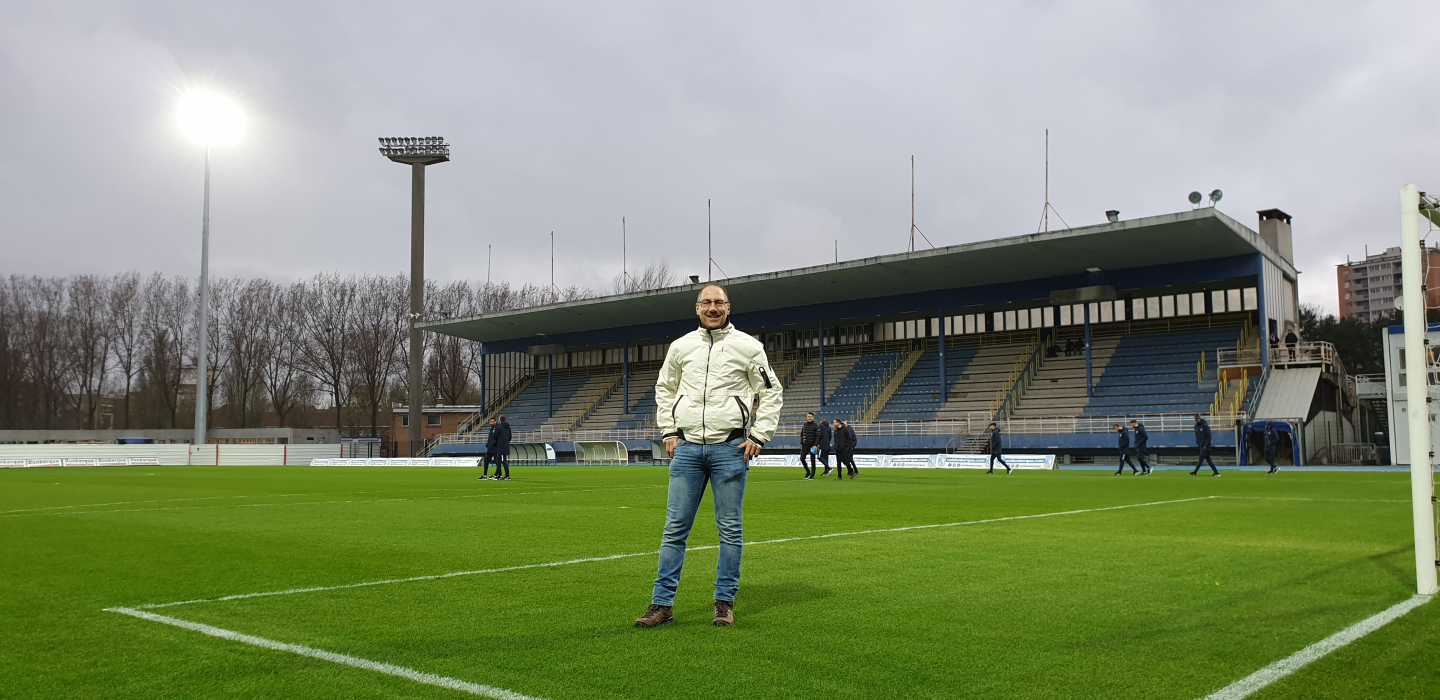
point(707, 304)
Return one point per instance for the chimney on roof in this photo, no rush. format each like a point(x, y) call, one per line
point(1275, 231)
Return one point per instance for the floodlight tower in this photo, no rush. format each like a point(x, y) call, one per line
point(210, 120)
point(417, 152)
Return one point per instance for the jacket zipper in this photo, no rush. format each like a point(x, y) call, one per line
point(705, 389)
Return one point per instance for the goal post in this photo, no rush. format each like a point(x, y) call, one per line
point(1417, 390)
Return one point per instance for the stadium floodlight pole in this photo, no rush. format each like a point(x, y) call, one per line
point(1417, 392)
point(211, 120)
point(417, 152)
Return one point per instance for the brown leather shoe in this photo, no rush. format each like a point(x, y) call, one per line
point(724, 613)
point(655, 616)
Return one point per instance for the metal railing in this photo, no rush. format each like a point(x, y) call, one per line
point(1369, 386)
point(890, 383)
point(577, 416)
point(972, 425)
point(1019, 378)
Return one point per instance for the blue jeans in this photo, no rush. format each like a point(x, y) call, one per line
point(722, 465)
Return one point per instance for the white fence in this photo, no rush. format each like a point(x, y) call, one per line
point(56, 455)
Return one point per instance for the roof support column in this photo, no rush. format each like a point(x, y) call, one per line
point(625, 370)
point(1089, 365)
point(550, 386)
point(944, 387)
point(484, 409)
point(822, 363)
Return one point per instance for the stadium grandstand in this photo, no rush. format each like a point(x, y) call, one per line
point(1056, 336)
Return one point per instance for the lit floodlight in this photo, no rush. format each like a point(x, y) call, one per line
point(210, 119)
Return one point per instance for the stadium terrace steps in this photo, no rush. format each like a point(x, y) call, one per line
point(529, 409)
point(802, 394)
point(973, 375)
point(1058, 388)
point(608, 415)
point(1157, 373)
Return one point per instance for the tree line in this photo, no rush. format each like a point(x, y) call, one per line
point(119, 351)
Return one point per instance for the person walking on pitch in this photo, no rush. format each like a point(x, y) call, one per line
point(489, 451)
point(809, 435)
point(1202, 441)
point(995, 447)
point(1124, 444)
point(1272, 444)
point(826, 440)
point(711, 381)
point(1142, 440)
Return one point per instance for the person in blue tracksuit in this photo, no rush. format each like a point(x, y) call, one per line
point(1124, 445)
point(1272, 443)
point(1202, 441)
point(1142, 441)
point(826, 439)
point(995, 449)
point(502, 449)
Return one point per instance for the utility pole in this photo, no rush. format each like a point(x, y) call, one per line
point(624, 258)
point(417, 152)
point(912, 204)
point(1045, 213)
point(554, 291)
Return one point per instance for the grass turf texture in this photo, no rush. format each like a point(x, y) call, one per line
point(1173, 600)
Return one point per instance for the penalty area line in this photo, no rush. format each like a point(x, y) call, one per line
point(612, 557)
point(343, 659)
point(1263, 678)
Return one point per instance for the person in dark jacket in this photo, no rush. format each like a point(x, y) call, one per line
point(502, 449)
point(489, 451)
point(1291, 340)
point(826, 441)
point(995, 448)
point(1202, 441)
point(809, 435)
point(1142, 441)
point(1272, 443)
point(845, 441)
point(1124, 444)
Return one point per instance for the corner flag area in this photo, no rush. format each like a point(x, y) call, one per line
point(336, 582)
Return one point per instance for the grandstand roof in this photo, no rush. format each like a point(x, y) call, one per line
point(1200, 234)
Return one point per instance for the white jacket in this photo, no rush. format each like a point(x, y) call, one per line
point(708, 385)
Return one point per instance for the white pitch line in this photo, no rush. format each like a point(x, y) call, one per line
point(433, 577)
point(343, 659)
point(1259, 680)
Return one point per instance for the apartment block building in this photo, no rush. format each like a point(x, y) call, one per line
point(1368, 288)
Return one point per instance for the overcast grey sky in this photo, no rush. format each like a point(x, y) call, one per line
point(797, 119)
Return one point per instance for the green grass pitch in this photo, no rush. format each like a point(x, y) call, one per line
point(1174, 600)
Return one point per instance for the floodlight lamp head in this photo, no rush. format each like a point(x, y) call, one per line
point(209, 118)
point(1215, 196)
point(411, 150)
point(1195, 198)
point(1112, 215)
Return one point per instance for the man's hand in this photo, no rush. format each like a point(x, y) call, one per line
point(750, 449)
point(670, 444)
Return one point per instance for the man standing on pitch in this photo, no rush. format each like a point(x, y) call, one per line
point(1142, 441)
point(995, 448)
point(502, 449)
point(1124, 444)
point(1202, 441)
point(809, 435)
point(489, 450)
point(824, 446)
point(845, 442)
point(704, 396)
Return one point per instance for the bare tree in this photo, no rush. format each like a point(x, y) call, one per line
point(87, 343)
point(326, 334)
point(166, 324)
point(12, 357)
point(655, 276)
point(246, 346)
point(217, 356)
point(381, 328)
point(44, 304)
point(125, 310)
point(287, 386)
